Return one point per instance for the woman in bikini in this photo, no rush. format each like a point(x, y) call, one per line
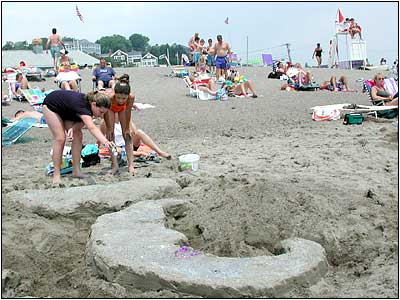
point(121, 103)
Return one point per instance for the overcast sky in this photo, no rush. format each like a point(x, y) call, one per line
point(267, 25)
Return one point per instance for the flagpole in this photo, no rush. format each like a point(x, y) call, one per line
point(247, 51)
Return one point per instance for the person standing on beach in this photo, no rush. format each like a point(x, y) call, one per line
point(122, 101)
point(211, 56)
point(66, 112)
point(55, 42)
point(191, 45)
point(222, 50)
point(318, 54)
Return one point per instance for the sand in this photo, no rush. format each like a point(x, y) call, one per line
point(267, 173)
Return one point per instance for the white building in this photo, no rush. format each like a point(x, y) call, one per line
point(149, 60)
point(135, 58)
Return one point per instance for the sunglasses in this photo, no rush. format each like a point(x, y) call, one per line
point(381, 78)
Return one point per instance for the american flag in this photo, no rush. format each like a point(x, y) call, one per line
point(79, 14)
point(227, 21)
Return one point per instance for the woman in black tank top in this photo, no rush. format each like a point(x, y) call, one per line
point(66, 112)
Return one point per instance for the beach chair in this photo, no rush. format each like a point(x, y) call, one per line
point(15, 131)
point(391, 86)
point(10, 78)
point(74, 68)
point(35, 97)
point(267, 59)
point(234, 61)
point(177, 71)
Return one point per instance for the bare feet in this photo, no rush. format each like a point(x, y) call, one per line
point(131, 170)
point(80, 175)
point(165, 155)
point(56, 180)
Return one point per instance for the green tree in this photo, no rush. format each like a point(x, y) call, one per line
point(8, 46)
point(114, 43)
point(139, 42)
point(22, 45)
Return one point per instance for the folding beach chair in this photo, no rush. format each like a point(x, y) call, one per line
point(367, 86)
point(267, 59)
point(175, 71)
point(74, 68)
point(14, 132)
point(35, 97)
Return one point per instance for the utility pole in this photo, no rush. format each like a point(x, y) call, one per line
point(247, 52)
point(288, 52)
point(168, 54)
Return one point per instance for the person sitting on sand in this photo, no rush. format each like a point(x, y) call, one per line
point(122, 101)
point(299, 76)
point(237, 89)
point(138, 137)
point(68, 79)
point(379, 93)
point(241, 88)
point(334, 85)
point(21, 83)
point(66, 112)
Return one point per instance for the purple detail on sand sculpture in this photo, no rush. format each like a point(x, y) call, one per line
point(185, 252)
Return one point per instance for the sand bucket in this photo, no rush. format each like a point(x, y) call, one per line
point(189, 162)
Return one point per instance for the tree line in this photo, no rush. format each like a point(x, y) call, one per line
point(110, 44)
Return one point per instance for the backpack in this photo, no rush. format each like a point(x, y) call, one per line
point(90, 155)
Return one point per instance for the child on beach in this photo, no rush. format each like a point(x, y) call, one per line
point(122, 101)
point(66, 112)
point(138, 137)
point(202, 64)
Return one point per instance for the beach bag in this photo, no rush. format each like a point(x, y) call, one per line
point(388, 114)
point(90, 155)
point(325, 114)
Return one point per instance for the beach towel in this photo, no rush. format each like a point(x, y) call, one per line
point(142, 106)
point(391, 85)
point(326, 113)
point(90, 155)
point(66, 166)
point(14, 132)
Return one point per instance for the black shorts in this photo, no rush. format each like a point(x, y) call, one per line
point(105, 84)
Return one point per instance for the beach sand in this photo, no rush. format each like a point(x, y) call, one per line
point(268, 172)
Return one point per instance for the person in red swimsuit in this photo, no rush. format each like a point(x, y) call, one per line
point(122, 101)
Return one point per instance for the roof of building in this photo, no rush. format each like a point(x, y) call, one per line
point(11, 58)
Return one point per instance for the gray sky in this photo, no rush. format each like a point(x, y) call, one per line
point(267, 25)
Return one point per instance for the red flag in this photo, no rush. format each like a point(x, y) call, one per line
point(227, 21)
point(79, 14)
point(339, 17)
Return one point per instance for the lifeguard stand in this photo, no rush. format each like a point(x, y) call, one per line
point(354, 55)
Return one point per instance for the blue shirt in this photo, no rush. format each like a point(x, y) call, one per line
point(104, 74)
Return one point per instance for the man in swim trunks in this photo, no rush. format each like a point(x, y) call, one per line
point(211, 56)
point(55, 42)
point(222, 50)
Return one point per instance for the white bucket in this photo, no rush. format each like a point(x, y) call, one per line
point(189, 162)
